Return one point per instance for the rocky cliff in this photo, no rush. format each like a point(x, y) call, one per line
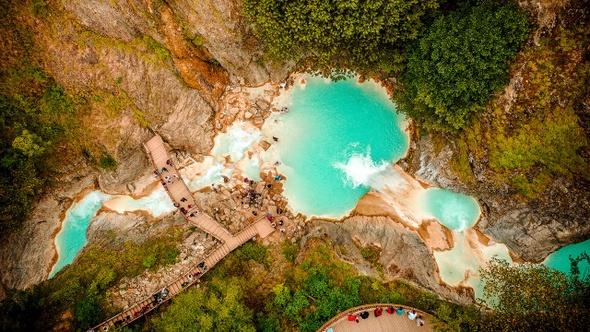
point(217, 26)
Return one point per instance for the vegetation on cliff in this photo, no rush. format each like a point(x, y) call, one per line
point(76, 297)
point(538, 130)
point(255, 288)
point(296, 293)
point(40, 123)
point(36, 119)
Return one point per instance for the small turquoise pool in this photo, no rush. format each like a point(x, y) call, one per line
point(72, 236)
point(456, 211)
point(329, 128)
point(559, 260)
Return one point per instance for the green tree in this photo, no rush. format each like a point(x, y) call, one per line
point(29, 144)
point(342, 34)
point(89, 311)
point(532, 297)
point(461, 59)
point(218, 308)
point(107, 162)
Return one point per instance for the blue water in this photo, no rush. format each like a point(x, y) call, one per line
point(251, 169)
point(331, 124)
point(235, 141)
point(559, 260)
point(72, 236)
point(456, 211)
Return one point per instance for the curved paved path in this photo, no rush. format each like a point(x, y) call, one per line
point(185, 202)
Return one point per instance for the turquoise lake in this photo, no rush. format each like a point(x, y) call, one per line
point(334, 135)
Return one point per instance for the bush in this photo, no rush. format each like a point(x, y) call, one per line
point(253, 251)
point(107, 162)
point(290, 250)
point(532, 297)
point(217, 308)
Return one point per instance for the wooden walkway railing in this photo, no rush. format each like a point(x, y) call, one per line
point(184, 201)
point(340, 322)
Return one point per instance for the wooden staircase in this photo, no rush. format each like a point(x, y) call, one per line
point(182, 197)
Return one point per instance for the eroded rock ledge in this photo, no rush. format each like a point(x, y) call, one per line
point(403, 253)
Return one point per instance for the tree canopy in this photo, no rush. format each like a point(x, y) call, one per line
point(218, 308)
point(360, 35)
point(461, 59)
point(532, 297)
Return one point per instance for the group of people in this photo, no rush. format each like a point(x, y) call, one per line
point(167, 179)
point(250, 195)
point(411, 314)
point(157, 299)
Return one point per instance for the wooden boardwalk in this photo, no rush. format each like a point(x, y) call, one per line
point(384, 323)
point(184, 201)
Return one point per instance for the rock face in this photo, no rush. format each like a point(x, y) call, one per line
point(150, 98)
point(530, 230)
point(218, 26)
point(403, 253)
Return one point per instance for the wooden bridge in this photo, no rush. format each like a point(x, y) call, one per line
point(167, 173)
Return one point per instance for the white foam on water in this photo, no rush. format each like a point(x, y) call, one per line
point(157, 203)
point(212, 175)
point(360, 169)
point(236, 141)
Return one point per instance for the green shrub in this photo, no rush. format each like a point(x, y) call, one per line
point(198, 40)
point(107, 162)
point(253, 251)
point(290, 250)
point(539, 305)
point(156, 48)
point(149, 261)
point(219, 307)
